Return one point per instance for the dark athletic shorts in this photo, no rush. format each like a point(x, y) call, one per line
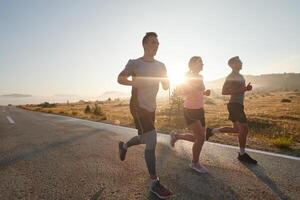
point(236, 112)
point(143, 119)
point(193, 115)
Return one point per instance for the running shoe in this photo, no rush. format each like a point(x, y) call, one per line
point(122, 151)
point(159, 190)
point(246, 158)
point(172, 139)
point(208, 133)
point(198, 168)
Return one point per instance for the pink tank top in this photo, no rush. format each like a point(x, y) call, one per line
point(194, 91)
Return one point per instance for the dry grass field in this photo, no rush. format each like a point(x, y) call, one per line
point(273, 117)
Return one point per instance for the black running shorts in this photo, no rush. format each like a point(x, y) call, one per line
point(143, 119)
point(236, 112)
point(193, 115)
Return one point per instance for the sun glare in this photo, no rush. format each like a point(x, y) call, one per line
point(176, 77)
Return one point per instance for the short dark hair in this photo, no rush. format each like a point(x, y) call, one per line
point(148, 34)
point(194, 60)
point(233, 60)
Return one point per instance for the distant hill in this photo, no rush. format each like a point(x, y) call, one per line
point(286, 81)
point(65, 95)
point(16, 95)
point(114, 94)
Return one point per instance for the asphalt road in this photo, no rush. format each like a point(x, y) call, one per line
point(44, 156)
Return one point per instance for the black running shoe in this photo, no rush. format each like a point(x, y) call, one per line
point(159, 190)
point(122, 151)
point(208, 133)
point(246, 158)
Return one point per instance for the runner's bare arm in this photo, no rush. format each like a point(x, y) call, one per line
point(206, 92)
point(123, 79)
point(165, 83)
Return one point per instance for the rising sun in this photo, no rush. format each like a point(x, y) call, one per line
point(176, 77)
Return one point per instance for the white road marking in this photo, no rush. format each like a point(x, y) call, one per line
point(120, 129)
point(258, 151)
point(10, 119)
point(114, 128)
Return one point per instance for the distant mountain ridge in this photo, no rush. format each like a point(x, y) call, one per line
point(114, 94)
point(65, 95)
point(285, 81)
point(16, 95)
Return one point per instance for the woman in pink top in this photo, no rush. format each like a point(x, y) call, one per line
point(193, 90)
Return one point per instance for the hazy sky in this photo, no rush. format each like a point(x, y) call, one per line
point(79, 47)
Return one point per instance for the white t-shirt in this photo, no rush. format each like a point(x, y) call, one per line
point(148, 75)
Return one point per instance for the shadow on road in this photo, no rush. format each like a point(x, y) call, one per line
point(184, 182)
point(40, 150)
point(259, 171)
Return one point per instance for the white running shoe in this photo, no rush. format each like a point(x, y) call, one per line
point(198, 168)
point(172, 139)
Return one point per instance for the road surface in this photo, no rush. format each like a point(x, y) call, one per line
point(45, 156)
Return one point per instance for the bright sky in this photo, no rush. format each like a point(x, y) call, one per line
point(79, 47)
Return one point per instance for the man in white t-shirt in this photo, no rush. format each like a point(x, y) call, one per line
point(146, 73)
